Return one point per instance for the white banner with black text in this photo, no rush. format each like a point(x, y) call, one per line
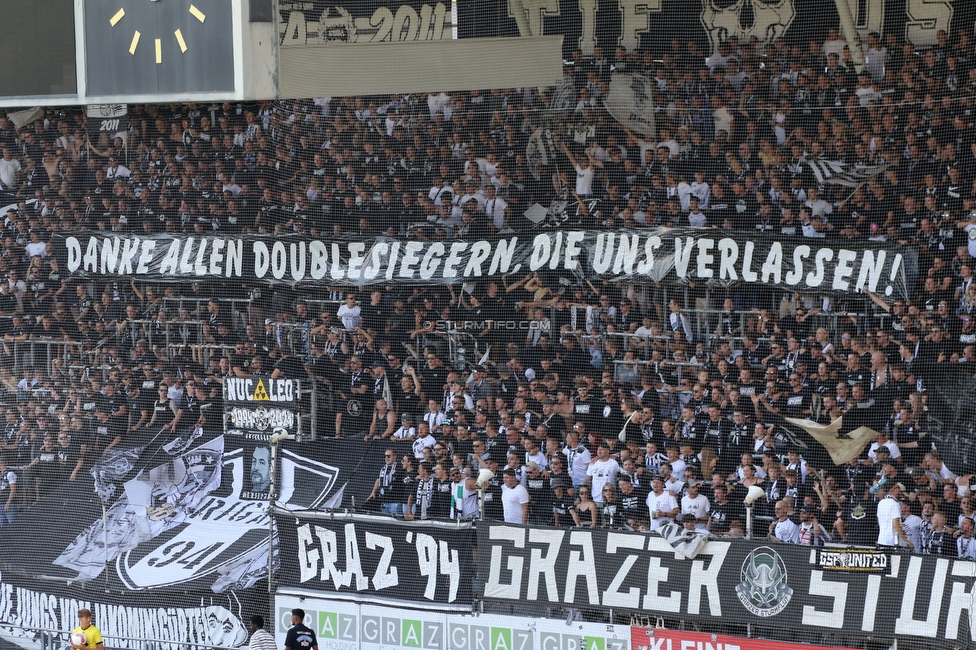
point(672, 256)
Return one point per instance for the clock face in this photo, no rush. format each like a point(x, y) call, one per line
point(159, 46)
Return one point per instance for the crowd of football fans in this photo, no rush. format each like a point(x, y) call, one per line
point(592, 403)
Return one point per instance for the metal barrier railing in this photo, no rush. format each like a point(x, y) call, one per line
point(182, 338)
point(42, 354)
point(51, 639)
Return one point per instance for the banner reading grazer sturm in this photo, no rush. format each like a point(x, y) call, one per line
point(674, 256)
point(733, 581)
point(376, 559)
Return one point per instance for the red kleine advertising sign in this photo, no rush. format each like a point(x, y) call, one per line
point(645, 638)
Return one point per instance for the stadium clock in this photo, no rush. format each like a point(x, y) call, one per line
point(159, 46)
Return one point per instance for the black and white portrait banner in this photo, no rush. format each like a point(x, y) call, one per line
point(631, 102)
point(673, 256)
point(848, 591)
point(376, 559)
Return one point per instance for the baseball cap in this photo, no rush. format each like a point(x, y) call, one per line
point(405, 417)
point(378, 364)
point(560, 481)
point(691, 483)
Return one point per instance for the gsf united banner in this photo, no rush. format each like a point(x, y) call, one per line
point(328, 22)
point(737, 581)
point(374, 559)
point(675, 256)
point(350, 626)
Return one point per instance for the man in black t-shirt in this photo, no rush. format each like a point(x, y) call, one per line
point(106, 432)
point(632, 502)
point(300, 636)
point(859, 522)
point(540, 494)
point(723, 512)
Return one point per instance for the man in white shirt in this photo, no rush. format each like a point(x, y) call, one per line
point(696, 218)
point(875, 60)
point(584, 172)
point(36, 247)
point(9, 171)
point(889, 518)
point(696, 504)
point(440, 192)
point(115, 170)
point(8, 493)
point(261, 639)
point(350, 313)
point(422, 441)
point(834, 44)
point(783, 528)
point(601, 471)
point(818, 207)
point(515, 499)
point(661, 504)
point(495, 208)
point(577, 456)
point(882, 441)
point(911, 524)
point(811, 532)
point(966, 543)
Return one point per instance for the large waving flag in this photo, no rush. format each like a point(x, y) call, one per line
point(833, 172)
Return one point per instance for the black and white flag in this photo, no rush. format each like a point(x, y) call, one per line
point(833, 172)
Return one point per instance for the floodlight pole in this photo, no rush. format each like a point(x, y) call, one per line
point(850, 34)
point(272, 493)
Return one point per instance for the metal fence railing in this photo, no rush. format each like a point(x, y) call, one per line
point(50, 639)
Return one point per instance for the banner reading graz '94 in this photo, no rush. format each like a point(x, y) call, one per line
point(848, 591)
point(376, 559)
point(675, 256)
